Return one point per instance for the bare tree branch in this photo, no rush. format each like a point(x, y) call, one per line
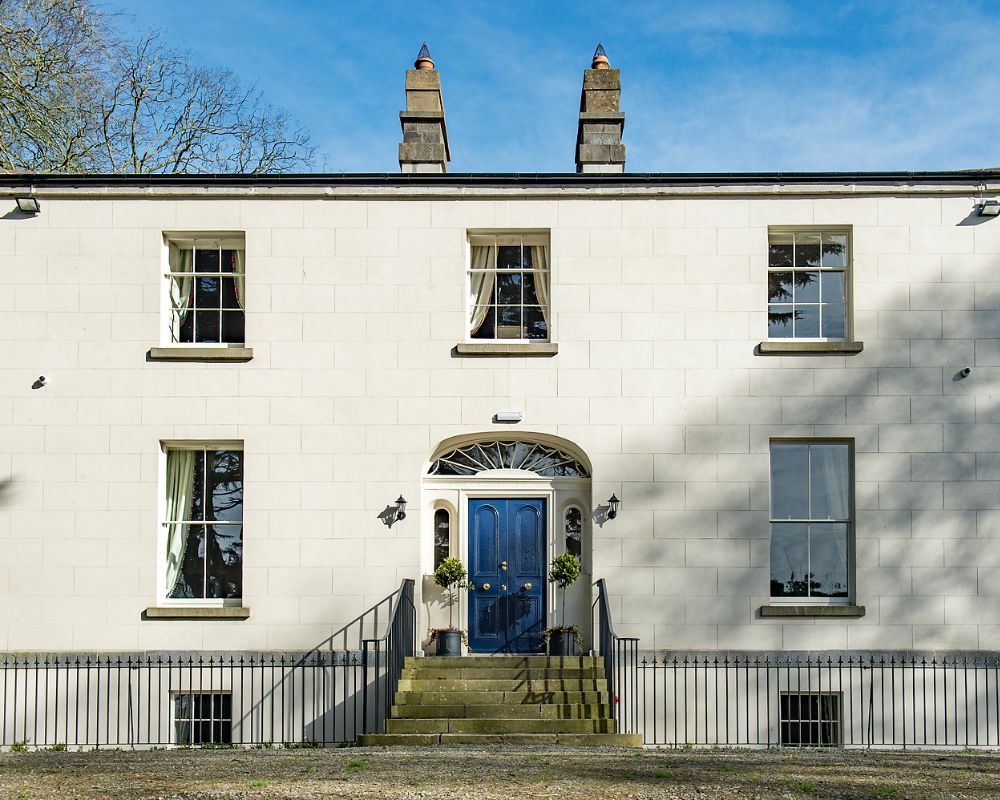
point(75, 96)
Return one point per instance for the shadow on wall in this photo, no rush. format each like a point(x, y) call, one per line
point(925, 433)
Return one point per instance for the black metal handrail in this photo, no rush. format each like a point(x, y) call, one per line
point(621, 665)
point(387, 654)
point(328, 695)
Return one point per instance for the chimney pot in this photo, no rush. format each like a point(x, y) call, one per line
point(424, 60)
point(600, 59)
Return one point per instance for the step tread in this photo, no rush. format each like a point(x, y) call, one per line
point(502, 711)
point(448, 698)
point(504, 662)
point(500, 726)
point(430, 739)
point(492, 673)
point(502, 684)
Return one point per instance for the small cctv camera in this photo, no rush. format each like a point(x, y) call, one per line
point(41, 379)
point(966, 372)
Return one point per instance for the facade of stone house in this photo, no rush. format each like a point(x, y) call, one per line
point(217, 388)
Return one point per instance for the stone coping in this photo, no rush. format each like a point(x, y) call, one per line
point(209, 354)
point(452, 186)
point(812, 611)
point(290, 656)
point(230, 613)
point(504, 349)
point(790, 348)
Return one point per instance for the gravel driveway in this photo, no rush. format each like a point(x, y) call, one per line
point(491, 773)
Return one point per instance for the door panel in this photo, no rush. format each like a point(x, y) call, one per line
point(485, 544)
point(507, 555)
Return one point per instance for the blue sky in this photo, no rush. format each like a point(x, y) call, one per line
point(729, 86)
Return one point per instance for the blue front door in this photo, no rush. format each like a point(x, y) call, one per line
point(507, 568)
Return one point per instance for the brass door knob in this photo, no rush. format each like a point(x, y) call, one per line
point(527, 586)
point(486, 587)
point(503, 565)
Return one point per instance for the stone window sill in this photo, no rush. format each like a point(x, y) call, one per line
point(236, 613)
point(505, 349)
point(207, 354)
point(812, 611)
point(791, 348)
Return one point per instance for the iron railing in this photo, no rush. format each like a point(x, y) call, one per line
point(326, 696)
point(388, 653)
point(873, 701)
point(620, 656)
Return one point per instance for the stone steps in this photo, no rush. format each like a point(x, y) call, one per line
point(502, 700)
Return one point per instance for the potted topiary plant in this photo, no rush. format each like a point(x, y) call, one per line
point(450, 576)
point(563, 639)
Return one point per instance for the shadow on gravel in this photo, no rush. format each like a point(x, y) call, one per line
point(497, 772)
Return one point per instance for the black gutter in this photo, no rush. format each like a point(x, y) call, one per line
point(503, 179)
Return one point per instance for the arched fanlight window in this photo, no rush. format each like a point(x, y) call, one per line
point(541, 459)
point(574, 531)
point(442, 536)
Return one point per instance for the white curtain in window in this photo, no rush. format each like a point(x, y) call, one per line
point(480, 286)
point(181, 260)
point(540, 260)
point(239, 272)
point(830, 468)
point(180, 489)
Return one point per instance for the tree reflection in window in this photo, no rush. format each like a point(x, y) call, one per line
point(477, 457)
point(442, 536)
point(574, 532)
point(807, 285)
point(810, 519)
point(212, 561)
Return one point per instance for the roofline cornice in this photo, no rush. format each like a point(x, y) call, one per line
point(477, 185)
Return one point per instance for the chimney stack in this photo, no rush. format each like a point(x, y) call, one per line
point(425, 138)
point(599, 145)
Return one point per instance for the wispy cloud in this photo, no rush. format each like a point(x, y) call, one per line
point(723, 86)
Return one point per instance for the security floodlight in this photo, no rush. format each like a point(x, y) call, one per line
point(28, 205)
point(989, 208)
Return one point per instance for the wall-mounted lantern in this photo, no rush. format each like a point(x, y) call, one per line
point(613, 502)
point(400, 508)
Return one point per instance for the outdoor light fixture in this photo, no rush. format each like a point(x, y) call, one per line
point(613, 502)
point(989, 208)
point(28, 205)
point(400, 508)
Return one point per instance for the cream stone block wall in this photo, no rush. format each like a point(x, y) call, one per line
point(354, 306)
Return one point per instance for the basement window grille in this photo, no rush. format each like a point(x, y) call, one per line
point(203, 718)
point(811, 719)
